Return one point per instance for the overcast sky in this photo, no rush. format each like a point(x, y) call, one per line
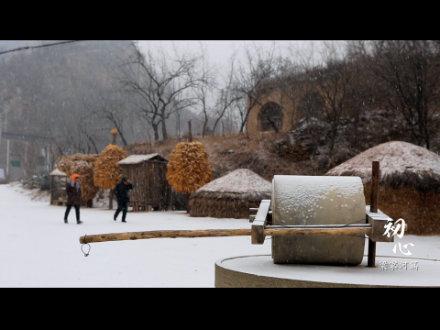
point(220, 51)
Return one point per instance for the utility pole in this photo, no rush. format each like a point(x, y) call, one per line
point(3, 118)
point(8, 148)
point(3, 114)
point(1, 126)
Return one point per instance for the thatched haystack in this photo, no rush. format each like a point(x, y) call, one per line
point(410, 183)
point(83, 165)
point(67, 161)
point(107, 172)
point(188, 168)
point(230, 196)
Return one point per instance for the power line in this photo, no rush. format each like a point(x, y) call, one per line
point(39, 46)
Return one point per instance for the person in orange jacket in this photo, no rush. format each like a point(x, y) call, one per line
point(73, 190)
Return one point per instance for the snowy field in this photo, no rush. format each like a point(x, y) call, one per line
point(38, 250)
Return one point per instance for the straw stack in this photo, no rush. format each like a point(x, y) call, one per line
point(107, 171)
point(188, 167)
point(83, 165)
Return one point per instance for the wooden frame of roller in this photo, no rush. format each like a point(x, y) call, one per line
point(374, 228)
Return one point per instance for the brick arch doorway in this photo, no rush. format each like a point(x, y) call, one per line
point(270, 117)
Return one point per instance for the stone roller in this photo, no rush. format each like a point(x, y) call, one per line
point(318, 201)
point(326, 219)
point(312, 220)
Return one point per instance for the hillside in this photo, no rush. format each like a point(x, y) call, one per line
point(227, 153)
point(304, 150)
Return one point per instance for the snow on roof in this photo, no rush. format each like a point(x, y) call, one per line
point(238, 181)
point(397, 159)
point(137, 159)
point(57, 172)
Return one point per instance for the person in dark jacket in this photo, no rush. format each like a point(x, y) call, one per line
point(121, 192)
point(73, 190)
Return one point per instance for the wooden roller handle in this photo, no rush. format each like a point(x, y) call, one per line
point(348, 231)
point(163, 234)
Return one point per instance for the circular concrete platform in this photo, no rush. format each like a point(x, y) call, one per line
point(260, 271)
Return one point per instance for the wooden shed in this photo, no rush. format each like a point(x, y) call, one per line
point(58, 181)
point(148, 175)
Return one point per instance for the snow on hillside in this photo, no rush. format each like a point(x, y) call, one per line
point(38, 250)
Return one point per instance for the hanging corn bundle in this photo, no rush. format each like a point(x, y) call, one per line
point(83, 165)
point(188, 167)
point(107, 172)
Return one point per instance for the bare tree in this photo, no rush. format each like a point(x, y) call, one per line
point(163, 88)
point(111, 108)
point(215, 100)
point(251, 77)
point(227, 97)
point(297, 83)
point(334, 85)
point(407, 72)
point(204, 93)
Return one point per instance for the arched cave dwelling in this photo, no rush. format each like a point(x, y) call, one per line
point(270, 117)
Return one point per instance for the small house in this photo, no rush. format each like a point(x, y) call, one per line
point(150, 186)
point(58, 180)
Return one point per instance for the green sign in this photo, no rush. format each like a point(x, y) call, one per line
point(15, 163)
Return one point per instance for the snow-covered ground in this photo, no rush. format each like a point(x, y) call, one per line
point(37, 249)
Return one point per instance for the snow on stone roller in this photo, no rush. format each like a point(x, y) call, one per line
point(318, 200)
point(313, 220)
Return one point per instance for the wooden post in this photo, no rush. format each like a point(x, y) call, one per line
point(114, 133)
point(188, 208)
point(374, 198)
point(51, 189)
point(110, 199)
point(190, 137)
point(375, 179)
point(257, 232)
